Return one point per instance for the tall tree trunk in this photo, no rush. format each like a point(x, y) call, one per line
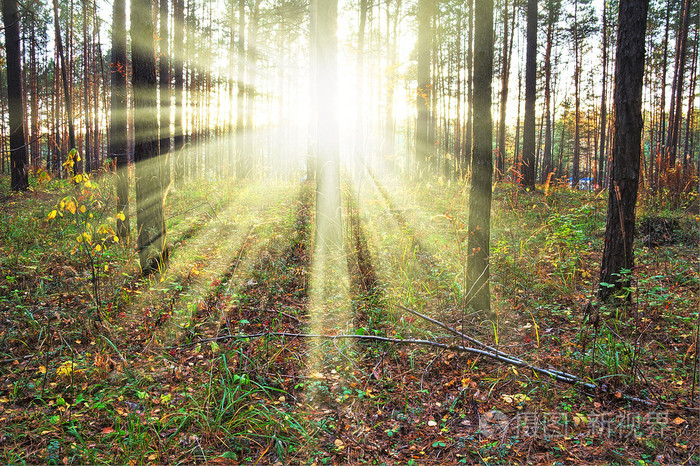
point(529, 161)
point(178, 61)
point(458, 96)
point(56, 120)
point(479, 295)
point(389, 129)
point(149, 196)
point(251, 84)
point(468, 133)
point(687, 155)
point(576, 162)
point(423, 91)
point(3, 168)
point(500, 151)
point(600, 174)
point(19, 178)
point(547, 163)
point(241, 163)
point(359, 139)
point(164, 85)
point(618, 252)
point(117, 127)
point(35, 144)
point(64, 78)
point(674, 120)
point(329, 234)
point(662, 105)
point(87, 155)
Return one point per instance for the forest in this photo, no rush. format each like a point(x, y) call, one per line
point(349, 232)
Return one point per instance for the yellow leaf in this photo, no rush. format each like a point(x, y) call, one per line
point(121, 216)
point(78, 178)
point(65, 369)
point(339, 443)
point(116, 239)
point(98, 248)
point(42, 369)
point(152, 457)
point(4, 399)
point(79, 239)
point(678, 421)
point(82, 209)
point(70, 207)
point(52, 214)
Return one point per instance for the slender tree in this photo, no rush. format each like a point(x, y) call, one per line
point(553, 11)
point(241, 159)
point(618, 252)
point(87, 152)
point(19, 178)
point(117, 127)
point(600, 174)
point(479, 295)
point(64, 78)
point(423, 91)
point(505, 74)
point(329, 235)
point(528, 167)
point(178, 61)
point(675, 112)
point(468, 130)
point(164, 86)
point(149, 195)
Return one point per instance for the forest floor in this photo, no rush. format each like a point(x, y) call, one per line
point(209, 362)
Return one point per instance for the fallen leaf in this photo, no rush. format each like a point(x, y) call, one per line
point(107, 430)
point(432, 423)
point(678, 421)
point(339, 443)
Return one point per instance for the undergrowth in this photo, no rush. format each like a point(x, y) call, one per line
point(205, 362)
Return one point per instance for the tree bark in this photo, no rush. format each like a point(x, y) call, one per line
point(329, 233)
point(501, 152)
point(468, 131)
point(675, 112)
point(117, 128)
point(529, 161)
point(618, 252)
point(19, 178)
point(600, 174)
point(423, 90)
point(479, 294)
point(149, 196)
point(164, 85)
point(547, 162)
point(178, 60)
point(576, 162)
point(87, 151)
point(241, 163)
point(64, 78)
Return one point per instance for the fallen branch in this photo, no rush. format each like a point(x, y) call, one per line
point(561, 376)
point(486, 351)
point(495, 352)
